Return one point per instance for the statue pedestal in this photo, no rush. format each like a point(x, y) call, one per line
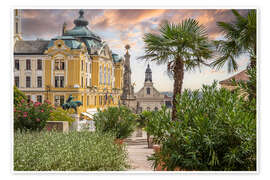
point(75, 124)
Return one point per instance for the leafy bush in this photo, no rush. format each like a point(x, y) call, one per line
point(31, 116)
point(143, 118)
point(61, 115)
point(18, 96)
point(216, 131)
point(158, 124)
point(73, 151)
point(119, 120)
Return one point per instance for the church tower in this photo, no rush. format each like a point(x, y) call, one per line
point(17, 25)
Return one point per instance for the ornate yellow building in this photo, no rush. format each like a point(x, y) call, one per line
point(78, 63)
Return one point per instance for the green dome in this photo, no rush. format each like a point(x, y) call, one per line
point(80, 29)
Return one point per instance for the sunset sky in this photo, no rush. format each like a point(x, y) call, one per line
point(119, 27)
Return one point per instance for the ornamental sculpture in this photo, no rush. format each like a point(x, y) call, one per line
point(71, 104)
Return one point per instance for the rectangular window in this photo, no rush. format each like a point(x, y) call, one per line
point(56, 81)
point(39, 64)
point(82, 99)
point(62, 81)
point(28, 64)
point(86, 82)
point(109, 77)
point(17, 81)
point(148, 90)
point(82, 82)
point(39, 81)
point(105, 75)
point(28, 81)
point(86, 67)
point(56, 65)
point(59, 81)
point(87, 100)
point(62, 65)
point(95, 100)
point(39, 98)
point(100, 75)
point(17, 28)
point(62, 100)
point(17, 64)
point(59, 100)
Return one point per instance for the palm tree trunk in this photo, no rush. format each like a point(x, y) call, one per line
point(178, 82)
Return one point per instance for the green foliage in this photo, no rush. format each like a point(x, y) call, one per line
point(31, 116)
point(73, 151)
point(18, 96)
point(216, 131)
point(61, 115)
point(249, 86)
point(143, 118)
point(240, 37)
point(118, 120)
point(158, 123)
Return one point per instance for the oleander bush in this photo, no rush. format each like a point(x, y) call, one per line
point(215, 131)
point(61, 115)
point(30, 115)
point(73, 151)
point(158, 123)
point(117, 120)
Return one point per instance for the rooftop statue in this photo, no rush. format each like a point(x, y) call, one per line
point(71, 104)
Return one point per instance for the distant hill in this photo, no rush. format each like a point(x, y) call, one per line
point(168, 93)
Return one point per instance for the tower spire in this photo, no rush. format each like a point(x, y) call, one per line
point(148, 74)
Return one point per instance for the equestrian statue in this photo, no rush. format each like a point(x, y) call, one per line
point(71, 104)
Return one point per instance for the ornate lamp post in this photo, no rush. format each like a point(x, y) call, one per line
point(48, 87)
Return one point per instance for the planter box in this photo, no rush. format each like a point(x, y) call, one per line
point(60, 126)
point(119, 141)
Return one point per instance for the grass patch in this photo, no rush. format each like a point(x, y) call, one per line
point(73, 151)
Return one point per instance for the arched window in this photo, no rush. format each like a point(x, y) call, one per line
point(148, 90)
point(156, 109)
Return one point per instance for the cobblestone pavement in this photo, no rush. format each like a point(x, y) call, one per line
point(138, 152)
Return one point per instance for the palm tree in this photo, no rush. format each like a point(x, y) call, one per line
point(181, 46)
point(240, 37)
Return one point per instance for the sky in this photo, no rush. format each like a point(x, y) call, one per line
point(118, 27)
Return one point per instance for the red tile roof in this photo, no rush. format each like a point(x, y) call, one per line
point(240, 76)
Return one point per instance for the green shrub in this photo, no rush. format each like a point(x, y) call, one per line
point(216, 131)
point(158, 123)
point(31, 116)
point(73, 151)
point(118, 120)
point(143, 118)
point(18, 96)
point(61, 115)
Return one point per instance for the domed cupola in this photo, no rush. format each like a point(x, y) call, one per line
point(148, 74)
point(81, 30)
point(81, 21)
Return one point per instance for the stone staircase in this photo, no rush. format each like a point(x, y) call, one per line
point(132, 141)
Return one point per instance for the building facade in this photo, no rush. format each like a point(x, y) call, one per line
point(148, 97)
point(78, 63)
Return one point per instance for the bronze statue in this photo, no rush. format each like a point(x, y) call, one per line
point(71, 104)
